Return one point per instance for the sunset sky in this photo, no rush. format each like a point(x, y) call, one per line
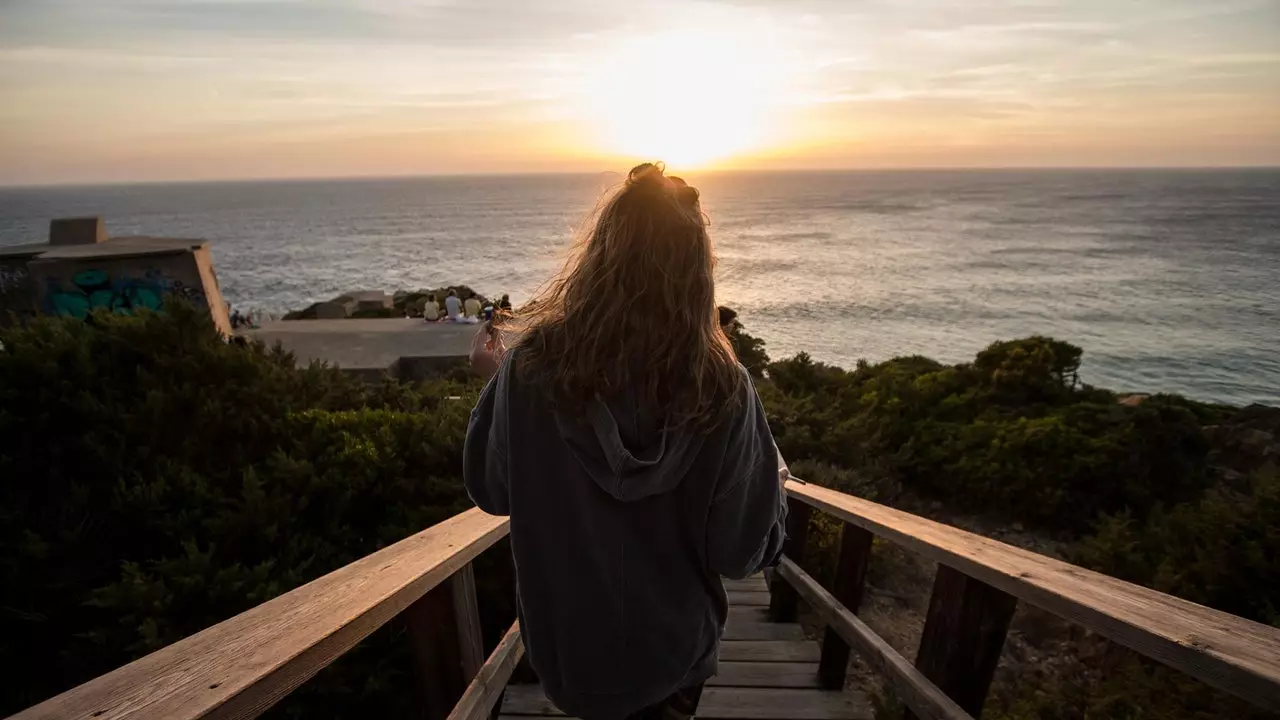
point(123, 90)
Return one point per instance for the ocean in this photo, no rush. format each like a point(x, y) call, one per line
point(1169, 280)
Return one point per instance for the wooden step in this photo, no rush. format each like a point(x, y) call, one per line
point(769, 651)
point(752, 623)
point(755, 583)
point(749, 598)
point(724, 703)
point(766, 675)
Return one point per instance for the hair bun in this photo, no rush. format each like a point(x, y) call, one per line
point(686, 194)
point(647, 174)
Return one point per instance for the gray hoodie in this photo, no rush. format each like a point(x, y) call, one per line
point(621, 529)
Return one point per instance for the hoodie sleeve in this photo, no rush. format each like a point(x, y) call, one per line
point(484, 456)
point(749, 509)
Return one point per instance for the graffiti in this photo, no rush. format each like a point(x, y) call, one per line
point(93, 289)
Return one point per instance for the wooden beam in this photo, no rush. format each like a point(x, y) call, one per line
point(444, 630)
point(782, 602)
point(915, 690)
point(485, 690)
point(851, 574)
point(963, 636)
point(467, 610)
point(1239, 656)
point(244, 665)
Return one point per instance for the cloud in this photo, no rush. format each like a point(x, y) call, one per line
point(131, 74)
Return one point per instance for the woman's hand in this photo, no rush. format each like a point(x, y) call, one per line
point(487, 349)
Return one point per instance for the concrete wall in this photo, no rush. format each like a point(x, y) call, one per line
point(77, 231)
point(77, 286)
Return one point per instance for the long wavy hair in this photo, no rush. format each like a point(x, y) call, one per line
point(633, 311)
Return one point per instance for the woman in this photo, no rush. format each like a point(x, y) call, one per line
point(631, 452)
point(431, 310)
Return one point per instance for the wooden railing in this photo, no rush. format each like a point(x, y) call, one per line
point(977, 587)
point(243, 666)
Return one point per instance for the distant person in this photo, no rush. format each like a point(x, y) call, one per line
point(431, 310)
point(505, 304)
point(631, 451)
point(472, 306)
point(453, 306)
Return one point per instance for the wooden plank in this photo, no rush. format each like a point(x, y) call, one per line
point(244, 665)
point(467, 611)
point(749, 599)
point(755, 583)
point(752, 623)
point(851, 573)
point(1233, 654)
point(433, 635)
point(490, 681)
point(782, 606)
point(916, 691)
point(963, 636)
point(444, 631)
point(769, 651)
point(719, 703)
point(766, 674)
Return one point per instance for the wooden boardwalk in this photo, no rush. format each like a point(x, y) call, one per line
point(768, 671)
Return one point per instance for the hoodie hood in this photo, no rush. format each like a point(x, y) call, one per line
point(630, 456)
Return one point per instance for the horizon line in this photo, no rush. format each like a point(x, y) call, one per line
point(714, 171)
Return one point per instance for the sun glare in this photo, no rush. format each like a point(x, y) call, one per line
point(689, 98)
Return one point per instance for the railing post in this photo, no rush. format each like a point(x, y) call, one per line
point(963, 636)
point(444, 627)
point(782, 597)
point(851, 573)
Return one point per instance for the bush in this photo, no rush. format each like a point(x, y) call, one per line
point(1013, 434)
point(159, 480)
point(1222, 551)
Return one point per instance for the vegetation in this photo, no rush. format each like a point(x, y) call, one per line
point(159, 480)
point(1180, 496)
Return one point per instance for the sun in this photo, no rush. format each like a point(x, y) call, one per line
point(687, 97)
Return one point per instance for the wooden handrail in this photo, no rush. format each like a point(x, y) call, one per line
point(1231, 653)
point(484, 691)
point(242, 666)
point(917, 693)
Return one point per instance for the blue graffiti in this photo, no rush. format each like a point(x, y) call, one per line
point(94, 289)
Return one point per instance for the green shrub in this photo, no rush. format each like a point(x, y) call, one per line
point(749, 349)
point(158, 480)
point(1222, 551)
point(1012, 434)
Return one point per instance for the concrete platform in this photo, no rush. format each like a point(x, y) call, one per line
point(404, 347)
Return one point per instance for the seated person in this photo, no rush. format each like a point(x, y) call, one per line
point(431, 310)
point(453, 307)
point(472, 306)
